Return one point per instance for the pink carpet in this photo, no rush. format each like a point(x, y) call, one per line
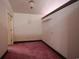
point(32, 50)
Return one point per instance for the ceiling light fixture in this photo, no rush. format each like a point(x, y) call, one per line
point(31, 2)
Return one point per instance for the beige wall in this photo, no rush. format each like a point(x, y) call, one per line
point(4, 9)
point(27, 27)
point(62, 31)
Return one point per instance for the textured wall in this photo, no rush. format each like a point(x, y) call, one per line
point(62, 31)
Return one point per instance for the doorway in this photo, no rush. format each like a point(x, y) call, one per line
point(10, 29)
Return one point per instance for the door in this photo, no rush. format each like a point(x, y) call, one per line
point(10, 29)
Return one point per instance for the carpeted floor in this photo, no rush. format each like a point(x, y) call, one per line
point(32, 50)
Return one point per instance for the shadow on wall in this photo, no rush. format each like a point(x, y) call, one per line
point(26, 37)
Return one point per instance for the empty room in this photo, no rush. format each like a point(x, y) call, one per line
point(39, 29)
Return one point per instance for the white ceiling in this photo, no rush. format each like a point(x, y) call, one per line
point(40, 6)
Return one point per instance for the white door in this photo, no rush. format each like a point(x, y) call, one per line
point(10, 30)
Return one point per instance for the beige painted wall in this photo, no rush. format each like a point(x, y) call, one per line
point(61, 32)
point(4, 9)
point(27, 27)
